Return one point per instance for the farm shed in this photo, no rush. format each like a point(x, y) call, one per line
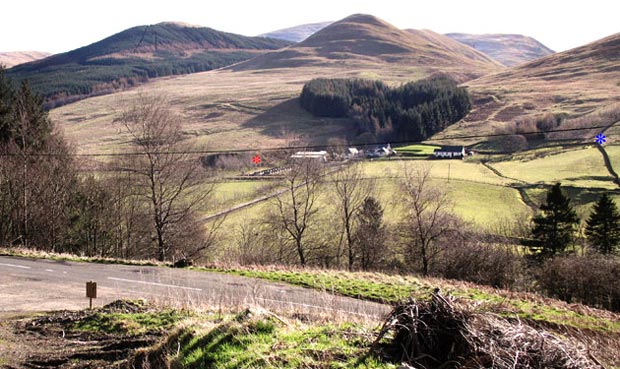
point(320, 155)
point(450, 152)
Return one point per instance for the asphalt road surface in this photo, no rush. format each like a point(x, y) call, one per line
point(41, 285)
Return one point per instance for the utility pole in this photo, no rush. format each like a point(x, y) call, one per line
point(448, 172)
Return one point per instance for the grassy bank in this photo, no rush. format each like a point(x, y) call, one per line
point(257, 339)
point(391, 289)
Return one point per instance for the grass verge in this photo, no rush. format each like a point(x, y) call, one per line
point(395, 288)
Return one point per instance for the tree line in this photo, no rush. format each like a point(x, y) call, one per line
point(141, 205)
point(411, 112)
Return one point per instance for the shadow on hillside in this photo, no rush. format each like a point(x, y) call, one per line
point(288, 119)
point(578, 195)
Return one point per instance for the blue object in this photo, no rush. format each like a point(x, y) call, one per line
point(601, 139)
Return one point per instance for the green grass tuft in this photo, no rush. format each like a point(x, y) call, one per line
point(263, 343)
point(129, 323)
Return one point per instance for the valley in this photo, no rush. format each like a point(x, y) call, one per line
point(179, 165)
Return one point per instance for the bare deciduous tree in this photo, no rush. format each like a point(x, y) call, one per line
point(427, 218)
point(350, 190)
point(167, 176)
point(296, 207)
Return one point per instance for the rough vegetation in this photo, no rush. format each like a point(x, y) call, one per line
point(440, 332)
point(103, 338)
point(443, 334)
point(509, 50)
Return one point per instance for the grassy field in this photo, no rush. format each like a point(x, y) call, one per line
point(580, 168)
point(440, 169)
point(228, 193)
point(613, 151)
point(480, 196)
point(417, 150)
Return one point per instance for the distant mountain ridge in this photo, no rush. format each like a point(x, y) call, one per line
point(133, 56)
point(362, 38)
point(297, 33)
point(13, 58)
point(507, 49)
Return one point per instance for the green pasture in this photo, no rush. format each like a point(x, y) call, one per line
point(479, 195)
point(580, 168)
point(417, 150)
point(444, 169)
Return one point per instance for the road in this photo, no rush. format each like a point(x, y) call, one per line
point(41, 285)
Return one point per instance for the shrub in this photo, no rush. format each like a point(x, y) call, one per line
point(589, 279)
point(494, 265)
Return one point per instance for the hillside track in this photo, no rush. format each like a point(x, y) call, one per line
point(608, 164)
point(41, 285)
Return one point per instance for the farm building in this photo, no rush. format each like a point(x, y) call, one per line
point(319, 155)
point(380, 152)
point(450, 152)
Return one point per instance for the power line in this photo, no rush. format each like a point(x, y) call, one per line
point(310, 147)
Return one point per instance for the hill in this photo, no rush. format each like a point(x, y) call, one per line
point(134, 56)
point(578, 88)
point(510, 50)
point(361, 39)
point(297, 33)
point(10, 59)
point(255, 103)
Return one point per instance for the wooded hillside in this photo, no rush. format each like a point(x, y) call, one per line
point(413, 111)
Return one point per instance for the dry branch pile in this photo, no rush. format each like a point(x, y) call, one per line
point(443, 334)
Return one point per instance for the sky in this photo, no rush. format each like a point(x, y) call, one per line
point(63, 25)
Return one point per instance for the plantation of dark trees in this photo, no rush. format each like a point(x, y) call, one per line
point(411, 112)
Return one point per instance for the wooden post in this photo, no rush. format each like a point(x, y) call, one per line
point(91, 292)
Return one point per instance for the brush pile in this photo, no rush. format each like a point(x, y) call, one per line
point(440, 333)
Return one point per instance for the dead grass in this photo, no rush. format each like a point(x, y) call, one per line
point(576, 83)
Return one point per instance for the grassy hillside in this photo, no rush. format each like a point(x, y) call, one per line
point(297, 33)
point(258, 107)
point(10, 59)
point(580, 86)
point(510, 50)
point(134, 56)
point(362, 39)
